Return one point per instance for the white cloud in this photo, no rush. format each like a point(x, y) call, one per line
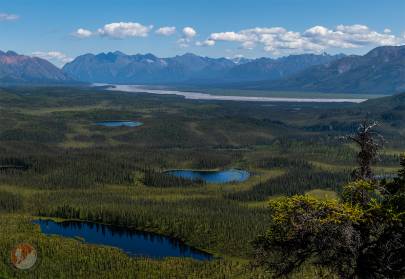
point(278, 40)
point(56, 57)
point(82, 33)
point(350, 36)
point(8, 17)
point(207, 42)
point(183, 42)
point(189, 32)
point(121, 30)
point(228, 36)
point(166, 30)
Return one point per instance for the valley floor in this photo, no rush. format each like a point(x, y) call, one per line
point(61, 165)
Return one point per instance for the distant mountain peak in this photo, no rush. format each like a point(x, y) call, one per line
point(11, 53)
point(118, 53)
point(189, 54)
point(240, 60)
point(187, 68)
point(386, 51)
point(266, 68)
point(22, 69)
point(380, 71)
point(149, 56)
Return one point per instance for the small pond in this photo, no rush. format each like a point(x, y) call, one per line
point(133, 242)
point(215, 177)
point(119, 124)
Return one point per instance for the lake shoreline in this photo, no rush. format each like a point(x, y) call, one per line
point(209, 255)
point(220, 177)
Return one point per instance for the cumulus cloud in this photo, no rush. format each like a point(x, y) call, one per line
point(349, 36)
point(207, 42)
point(278, 40)
point(116, 30)
point(228, 36)
point(82, 33)
point(121, 30)
point(166, 30)
point(189, 32)
point(57, 57)
point(188, 36)
point(8, 17)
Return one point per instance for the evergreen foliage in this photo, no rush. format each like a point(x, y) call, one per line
point(159, 179)
point(361, 236)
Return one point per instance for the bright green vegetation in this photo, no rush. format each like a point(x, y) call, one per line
point(54, 162)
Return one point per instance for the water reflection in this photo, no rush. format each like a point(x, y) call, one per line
point(133, 242)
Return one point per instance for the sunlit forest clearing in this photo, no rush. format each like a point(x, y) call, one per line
point(55, 162)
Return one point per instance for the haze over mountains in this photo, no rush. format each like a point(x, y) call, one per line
point(381, 71)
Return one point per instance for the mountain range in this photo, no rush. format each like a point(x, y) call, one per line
point(117, 67)
point(22, 69)
point(380, 71)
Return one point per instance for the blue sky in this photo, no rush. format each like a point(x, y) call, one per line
point(62, 29)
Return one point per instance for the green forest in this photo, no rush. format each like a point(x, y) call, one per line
point(57, 163)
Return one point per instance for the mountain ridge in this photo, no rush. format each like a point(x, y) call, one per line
point(380, 71)
point(18, 69)
point(117, 67)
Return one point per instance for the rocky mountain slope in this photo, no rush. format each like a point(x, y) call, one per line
point(21, 69)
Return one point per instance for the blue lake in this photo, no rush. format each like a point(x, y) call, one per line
point(217, 177)
point(133, 242)
point(119, 124)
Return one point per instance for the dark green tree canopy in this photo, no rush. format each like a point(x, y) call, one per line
point(360, 236)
